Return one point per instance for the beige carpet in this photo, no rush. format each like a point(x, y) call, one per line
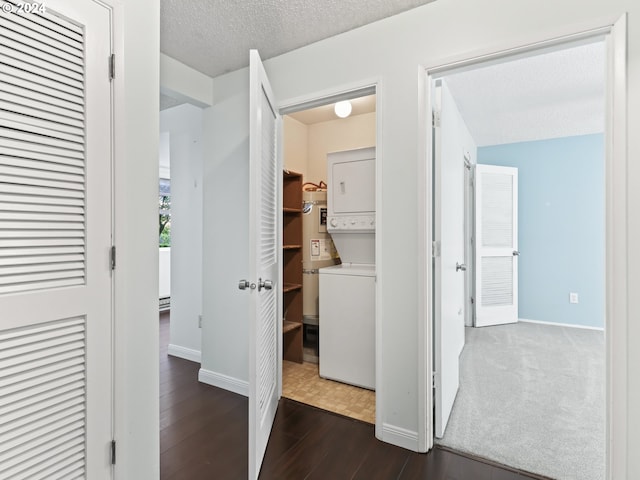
point(533, 397)
point(301, 382)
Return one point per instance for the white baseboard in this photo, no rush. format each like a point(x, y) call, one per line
point(400, 437)
point(224, 381)
point(570, 325)
point(183, 352)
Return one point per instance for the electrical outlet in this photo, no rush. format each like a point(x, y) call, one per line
point(573, 297)
point(199, 321)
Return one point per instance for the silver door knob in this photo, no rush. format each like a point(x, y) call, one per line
point(244, 284)
point(516, 253)
point(461, 266)
point(266, 284)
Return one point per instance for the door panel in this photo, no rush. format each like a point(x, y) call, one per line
point(449, 236)
point(264, 241)
point(55, 238)
point(496, 245)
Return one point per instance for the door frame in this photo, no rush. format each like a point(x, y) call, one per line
point(614, 31)
point(332, 95)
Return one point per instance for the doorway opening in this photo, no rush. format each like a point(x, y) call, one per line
point(328, 289)
point(532, 392)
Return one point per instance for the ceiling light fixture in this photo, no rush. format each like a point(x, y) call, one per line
point(343, 109)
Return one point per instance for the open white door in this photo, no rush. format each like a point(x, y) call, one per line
point(264, 261)
point(55, 241)
point(496, 245)
point(448, 234)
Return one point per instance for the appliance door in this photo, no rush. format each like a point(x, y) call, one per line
point(347, 327)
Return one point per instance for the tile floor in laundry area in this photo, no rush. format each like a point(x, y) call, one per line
point(301, 382)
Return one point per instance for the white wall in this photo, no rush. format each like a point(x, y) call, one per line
point(391, 51)
point(164, 272)
point(357, 131)
point(295, 144)
point(184, 125)
point(136, 427)
point(225, 326)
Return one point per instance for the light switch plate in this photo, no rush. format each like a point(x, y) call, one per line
point(573, 297)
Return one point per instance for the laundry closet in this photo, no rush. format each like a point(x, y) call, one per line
point(329, 252)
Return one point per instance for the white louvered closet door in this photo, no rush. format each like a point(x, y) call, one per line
point(264, 260)
point(496, 238)
point(55, 237)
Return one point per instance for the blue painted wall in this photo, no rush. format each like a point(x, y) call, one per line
point(561, 226)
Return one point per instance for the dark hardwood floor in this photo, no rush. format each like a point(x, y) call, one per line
point(203, 436)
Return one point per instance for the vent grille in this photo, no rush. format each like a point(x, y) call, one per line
point(42, 153)
point(497, 281)
point(42, 413)
point(268, 257)
point(497, 210)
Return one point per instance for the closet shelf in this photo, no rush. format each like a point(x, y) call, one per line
point(290, 326)
point(291, 247)
point(290, 287)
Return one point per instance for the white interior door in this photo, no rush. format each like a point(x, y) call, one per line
point(55, 239)
point(264, 240)
point(497, 253)
point(449, 269)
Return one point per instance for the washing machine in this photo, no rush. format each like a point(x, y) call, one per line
point(347, 291)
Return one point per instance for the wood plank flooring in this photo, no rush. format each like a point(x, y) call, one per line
point(203, 436)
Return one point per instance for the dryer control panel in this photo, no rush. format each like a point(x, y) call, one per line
point(356, 223)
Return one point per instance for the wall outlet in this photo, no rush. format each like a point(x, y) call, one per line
point(199, 321)
point(573, 297)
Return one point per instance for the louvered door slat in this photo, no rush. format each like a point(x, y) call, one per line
point(34, 102)
point(24, 30)
point(35, 207)
point(54, 25)
point(33, 361)
point(42, 233)
point(51, 469)
point(27, 260)
point(11, 171)
point(41, 242)
point(39, 165)
point(21, 91)
point(47, 446)
point(39, 67)
point(36, 81)
point(22, 85)
point(7, 254)
point(44, 192)
point(42, 367)
point(30, 404)
point(60, 58)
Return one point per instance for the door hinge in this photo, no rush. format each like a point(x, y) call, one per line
point(113, 452)
point(112, 66)
point(112, 257)
point(435, 118)
point(435, 249)
point(433, 380)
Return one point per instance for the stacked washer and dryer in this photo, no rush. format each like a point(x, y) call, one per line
point(347, 291)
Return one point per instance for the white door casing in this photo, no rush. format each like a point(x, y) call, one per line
point(496, 268)
point(264, 260)
point(55, 238)
point(449, 274)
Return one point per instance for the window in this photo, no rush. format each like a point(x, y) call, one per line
point(164, 212)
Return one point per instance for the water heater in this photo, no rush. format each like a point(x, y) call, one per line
point(317, 250)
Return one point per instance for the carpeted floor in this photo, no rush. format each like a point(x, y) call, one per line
point(532, 396)
point(301, 382)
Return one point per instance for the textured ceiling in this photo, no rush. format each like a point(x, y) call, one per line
point(544, 96)
point(214, 36)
